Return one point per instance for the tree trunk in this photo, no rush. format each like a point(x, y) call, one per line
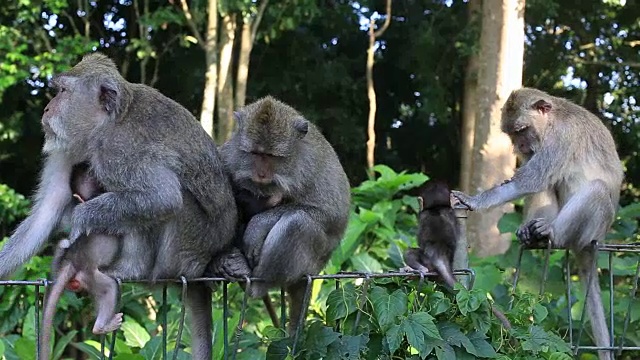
point(225, 78)
point(211, 75)
point(371, 92)
point(500, 72)
point(247, 39)
point(469, 102)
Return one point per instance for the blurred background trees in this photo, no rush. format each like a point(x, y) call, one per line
point(442, 70)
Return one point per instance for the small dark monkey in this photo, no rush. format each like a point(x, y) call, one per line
point(165, 193)
point(571, 175)
point(438, 234)
point(78, 265)
point(276, 154)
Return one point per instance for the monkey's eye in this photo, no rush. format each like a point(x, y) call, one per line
point(520, 129)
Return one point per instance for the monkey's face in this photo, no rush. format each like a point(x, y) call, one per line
point(524, 121)
point(71, 115)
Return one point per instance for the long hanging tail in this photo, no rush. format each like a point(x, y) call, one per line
point(67, 271)
point(589, 275)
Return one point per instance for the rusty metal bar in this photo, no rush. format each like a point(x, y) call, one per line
point(243, 309)
point(283, 308)
point(225, 318)
point(182, 316)
point(627, 317)
point(165, 310)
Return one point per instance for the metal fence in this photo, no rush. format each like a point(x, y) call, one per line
point(463, 273)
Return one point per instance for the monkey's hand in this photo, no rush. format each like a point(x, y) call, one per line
point(232, 266)
point(464, 199)
point(79, 223)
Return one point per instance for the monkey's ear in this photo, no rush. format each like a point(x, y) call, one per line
point(420, 203)
point(109, 97)
point(302, 126)
point(542, 106)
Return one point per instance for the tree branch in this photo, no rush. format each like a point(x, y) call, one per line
point(387, 21)
point(256, 21)
point(191, 23)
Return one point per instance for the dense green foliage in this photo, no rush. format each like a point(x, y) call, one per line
point(312, 55)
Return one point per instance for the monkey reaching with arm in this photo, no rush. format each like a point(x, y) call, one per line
point(438, 235)
point(571, 175)
point(165, 190)
point(274, 153)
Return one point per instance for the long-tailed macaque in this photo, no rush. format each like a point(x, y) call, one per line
point(78, 266)
point(275, 153)
point(571, 175)
point(438, 234)
point(165, 191)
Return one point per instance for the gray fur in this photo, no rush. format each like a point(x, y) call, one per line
point(572, 180)
point(163, 180)
point(297, 236)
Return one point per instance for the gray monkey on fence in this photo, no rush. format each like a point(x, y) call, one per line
point(165, 191)
point(278, 156)
point(571, 175)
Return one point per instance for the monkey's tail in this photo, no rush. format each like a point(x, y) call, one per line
point(272, 312)
point(585, 258)
point(67, 271)
point(445, 272)
point(503, 319)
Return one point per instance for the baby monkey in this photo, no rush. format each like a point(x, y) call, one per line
point(438, 234)
point(78, 267)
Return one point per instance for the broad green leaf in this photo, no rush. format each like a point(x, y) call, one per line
point(273, 333)
point(153, 348)
point(89, 347)
point(539, 313)
point(2, 348)
point(438, 303)
point(453, 336)
point(421, 331)
point(388, 307)
point(342, 302)
point(348, 347)
point(319, 337)
point(25, 348)
point(134, 334)
point(279, 349)
point(62, 343)
point(482, 348)
point(560, 356)
point(394, 337)
point(469, 300)
point(133, 357)
point(365, 263)
point(444, 351)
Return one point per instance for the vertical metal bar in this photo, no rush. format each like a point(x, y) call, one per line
point(164, 321)
point(364, 295)
point(569, 303)
point(225, 318)
point(303, 313)
point(610, 298)
point(238, 332)
point(102, 346)
point(545, 270)
point(516, 276)
point(337, 329)
point(182, 315)
point(112, 348)
point(45, 282)
point(627, 317)
point(283, 308)
point(461, 256)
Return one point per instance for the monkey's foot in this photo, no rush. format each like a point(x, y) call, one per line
point(462, 199)
point(536, 233)
point(231, 266)
point(114, 324)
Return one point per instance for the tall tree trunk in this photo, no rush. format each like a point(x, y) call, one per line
point(211, 74)
point(500, 72)
point(247, 39)
point(469, 102)
point(371, 92)
point(225, 78)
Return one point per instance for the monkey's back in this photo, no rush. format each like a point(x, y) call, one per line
point(438, 232)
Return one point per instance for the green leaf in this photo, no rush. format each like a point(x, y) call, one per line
point(469, 300)
point(539, 313)
point(453, 336)
point(438, 303)
point(134, 334)
point(444, 351)
point(394, 337)
point(482, 348)
point(62, 343)
point(342, 302)
point(134, 357)
point(421, 331)
point(279, 349)
point(90, 347)
point(25, 348)
point(152, 348)
point(348, 347)
point(319, 337)
point(366, 263)
point(388, 307)
point(2, 348)
point(560, 356)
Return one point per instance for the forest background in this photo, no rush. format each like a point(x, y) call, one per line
point(414, 85)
